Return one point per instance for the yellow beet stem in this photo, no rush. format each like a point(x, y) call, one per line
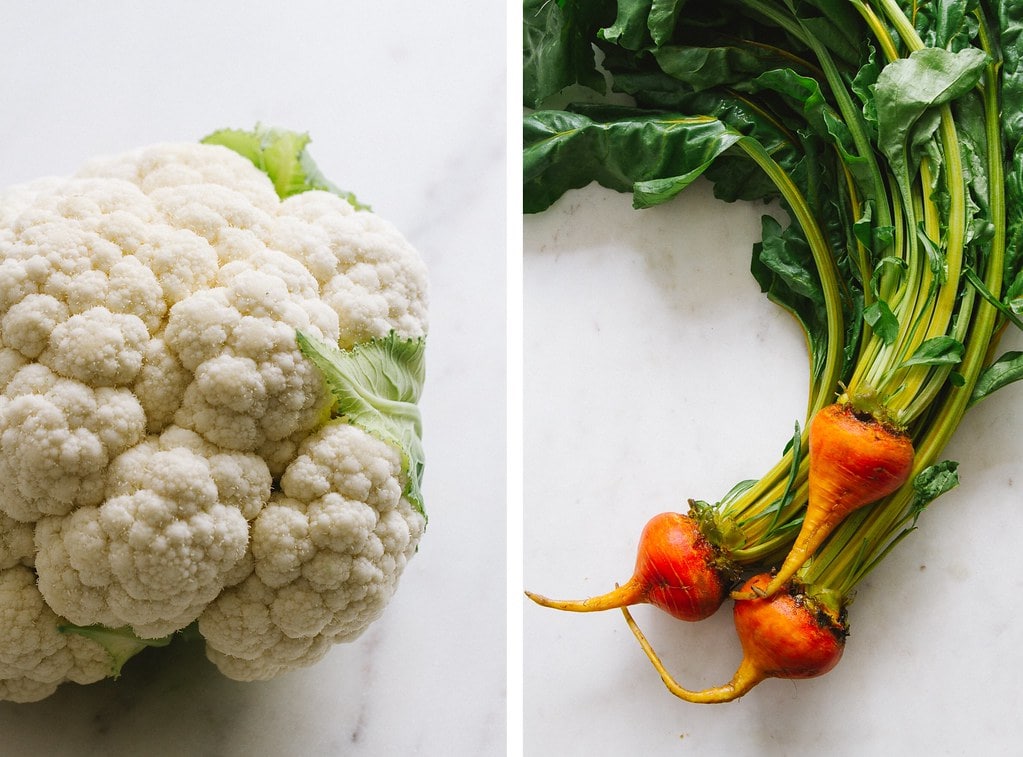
point(811, 536)
point(629, 593)
point(746, 677)
point(854, 459)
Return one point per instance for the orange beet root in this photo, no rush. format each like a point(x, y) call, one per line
point(787, 635)
point(676, 570)
point(855, 460)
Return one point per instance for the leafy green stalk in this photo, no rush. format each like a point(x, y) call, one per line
point(826, 270)
point(376, 387)
point(862, 542)
point(281, 155)
point(909, 91)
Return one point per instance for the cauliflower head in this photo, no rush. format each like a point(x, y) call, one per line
point(210, 363)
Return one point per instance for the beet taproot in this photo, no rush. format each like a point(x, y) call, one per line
point(676, 569)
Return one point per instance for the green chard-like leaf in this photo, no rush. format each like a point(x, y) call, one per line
point(874, 238)
point(629, 29)
point(935, 480)
point(706, 67)
point(1013, 270)
point(1010, 31)
point(940, 350)
point(784, 268)
point(655, 156)
point(281, 155)
point(376, 387)
point(839, 28)
point(640, 23)
point(950, 24)
point(805, 95)
point(1007, 369)
point(882, 321)
point(908, 91)
point(557, 46)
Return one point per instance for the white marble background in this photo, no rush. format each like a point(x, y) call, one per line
point(405, 103)
point(655, 371)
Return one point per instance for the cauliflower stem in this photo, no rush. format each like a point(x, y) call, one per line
point(120, 643)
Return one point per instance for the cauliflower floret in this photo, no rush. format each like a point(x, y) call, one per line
point(188, 247)
point(172, 527)
point(181, 262)
point(17, 542)
point(166, 449)
point(367, 271)
point(28, 324)
point(328, 551)
point(97, 347)
point(160, 385)
point(57, 437)
point(176, 166)
point(250, 382)
point(35, 657)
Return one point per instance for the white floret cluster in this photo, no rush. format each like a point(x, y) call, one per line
point(165, 450)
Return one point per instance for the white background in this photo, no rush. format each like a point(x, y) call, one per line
point(406, 106)
point(655, 371)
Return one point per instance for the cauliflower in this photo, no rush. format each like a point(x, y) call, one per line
point(210, 363)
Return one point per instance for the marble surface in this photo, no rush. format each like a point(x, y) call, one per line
point(405, 104)
point(654, 371)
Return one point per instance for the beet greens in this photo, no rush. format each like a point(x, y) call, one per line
point(887, 137)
